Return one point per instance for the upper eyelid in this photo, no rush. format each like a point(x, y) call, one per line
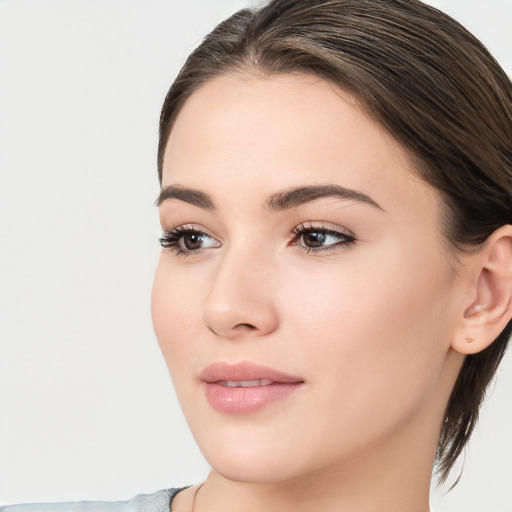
point(321, 226)
point(344, 241)
point(190, 227)
point(172, 236)
point(305, 225)
point(182, 229)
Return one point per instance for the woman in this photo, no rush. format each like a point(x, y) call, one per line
point(333, 294)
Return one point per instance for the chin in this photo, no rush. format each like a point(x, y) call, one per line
point(252, 468)
point(244, 456)
point(258, 454)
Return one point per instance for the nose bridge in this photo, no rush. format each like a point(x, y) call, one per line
point(241, 295)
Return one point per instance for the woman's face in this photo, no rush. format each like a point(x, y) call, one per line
point(304, 301)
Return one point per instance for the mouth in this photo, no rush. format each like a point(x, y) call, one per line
point(244, 383)
point(245, 387)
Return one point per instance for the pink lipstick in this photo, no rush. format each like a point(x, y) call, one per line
point(245, 387)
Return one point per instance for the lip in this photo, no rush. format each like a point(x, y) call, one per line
point(245, 400)
point(222, 371)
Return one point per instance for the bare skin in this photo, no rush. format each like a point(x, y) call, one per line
point(355, 294)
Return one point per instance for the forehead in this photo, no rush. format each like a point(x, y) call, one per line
point(259, 134)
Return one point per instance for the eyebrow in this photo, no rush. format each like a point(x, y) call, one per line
point(283, 200)
point(189, 195)
point(300, 195)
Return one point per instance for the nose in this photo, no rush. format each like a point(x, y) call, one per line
point(241, 302)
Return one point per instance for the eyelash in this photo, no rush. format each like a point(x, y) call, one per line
point(173, 239)
point(344, 239)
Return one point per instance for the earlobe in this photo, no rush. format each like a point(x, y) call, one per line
point(491, 307)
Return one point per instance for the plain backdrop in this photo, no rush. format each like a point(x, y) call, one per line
point(87, 409)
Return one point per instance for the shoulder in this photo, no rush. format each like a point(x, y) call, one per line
point(156, 502)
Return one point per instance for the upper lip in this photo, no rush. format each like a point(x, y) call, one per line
point(223, 371)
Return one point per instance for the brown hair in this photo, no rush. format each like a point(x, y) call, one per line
point(434, 87)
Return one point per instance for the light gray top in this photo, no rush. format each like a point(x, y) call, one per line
point(156, 502)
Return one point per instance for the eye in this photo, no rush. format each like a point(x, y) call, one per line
point(319, 239)
point(187, 240)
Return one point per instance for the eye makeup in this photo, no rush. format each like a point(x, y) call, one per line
point(312, 238)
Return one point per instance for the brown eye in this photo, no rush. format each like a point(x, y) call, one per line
point(192, 241)
point(318, 239)
point(314, 238)
point(184, 240)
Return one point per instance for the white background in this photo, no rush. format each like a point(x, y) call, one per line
point(86, 406)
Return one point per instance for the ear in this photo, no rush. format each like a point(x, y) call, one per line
point(490, 304)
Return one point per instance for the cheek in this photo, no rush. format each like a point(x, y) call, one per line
point(176, 300)
point(368, 336)
point(374, 327)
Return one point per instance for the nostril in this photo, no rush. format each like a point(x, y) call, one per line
point(248, 327)
point(243, 327)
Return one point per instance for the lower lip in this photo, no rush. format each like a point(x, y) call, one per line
point(230, 400)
